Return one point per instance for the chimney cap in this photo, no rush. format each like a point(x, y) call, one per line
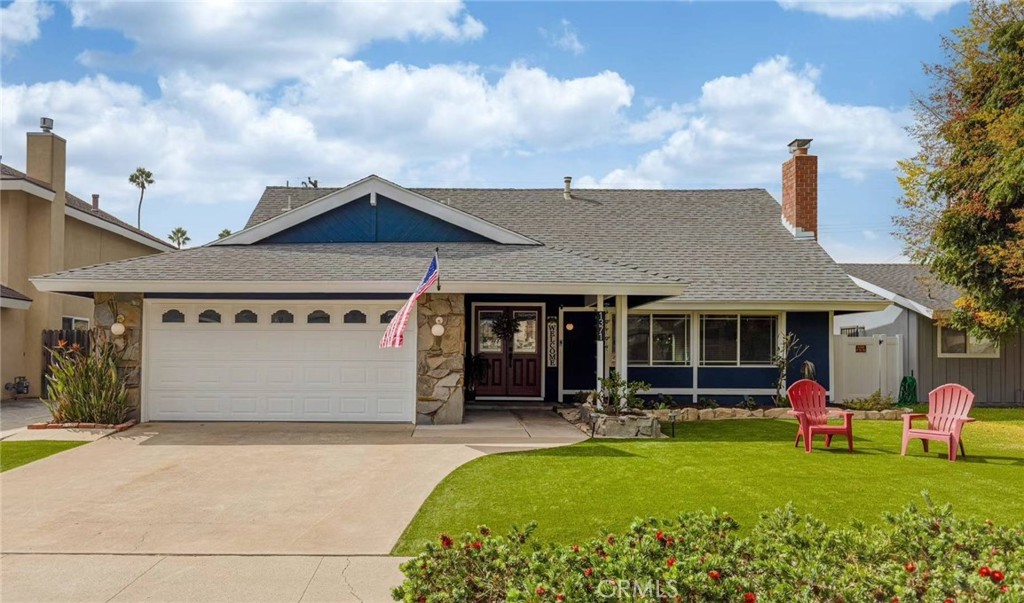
point(45, 124)
point(800, 144)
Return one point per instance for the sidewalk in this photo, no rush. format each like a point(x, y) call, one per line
point(221, 578)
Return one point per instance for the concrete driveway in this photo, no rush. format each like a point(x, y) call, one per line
point(249, 488)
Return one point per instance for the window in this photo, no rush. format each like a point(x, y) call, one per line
point(282, 317)
point(737, 340)
point(73, 323)
point(387, 317)
point(246, 317)
point(354, 317)
point(172, 316)
point(209, 316)
point(654, 339)
point(318, 317)
point(954, 343)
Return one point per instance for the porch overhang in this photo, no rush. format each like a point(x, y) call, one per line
point(793, 306)
point(73, 286)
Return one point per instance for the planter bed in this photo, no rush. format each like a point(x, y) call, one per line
point(115, 426)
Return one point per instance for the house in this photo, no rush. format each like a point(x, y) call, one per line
point(43, 228)
point(688, 290)
point(933, 353)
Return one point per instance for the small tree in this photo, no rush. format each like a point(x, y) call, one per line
point(789, 350)
point(224, 233)
point(179, 236)
point(141, 178)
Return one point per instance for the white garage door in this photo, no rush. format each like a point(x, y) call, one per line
point(275, 361)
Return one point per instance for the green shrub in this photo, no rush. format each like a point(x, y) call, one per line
point(748, 403)
point(875, 401)
point(916, 556)
point(86, 385)
point(707, 403)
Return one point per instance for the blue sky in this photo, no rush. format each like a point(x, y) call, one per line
point(221, 99)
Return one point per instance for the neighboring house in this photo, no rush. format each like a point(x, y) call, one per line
point(935, 354)
point(281, 321)
point(45, 229)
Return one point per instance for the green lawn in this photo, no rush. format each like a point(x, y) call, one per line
point(16, 454)
point(743, 467)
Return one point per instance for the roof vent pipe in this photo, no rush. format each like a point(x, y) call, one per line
point(95, 202)
point(568, 188)
point(288, 207)
point(46, 124)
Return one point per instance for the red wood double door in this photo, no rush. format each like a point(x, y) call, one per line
point(515, 366)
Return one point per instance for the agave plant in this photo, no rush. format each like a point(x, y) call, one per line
point(86, 385)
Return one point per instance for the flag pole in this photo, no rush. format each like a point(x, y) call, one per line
point(438, 263)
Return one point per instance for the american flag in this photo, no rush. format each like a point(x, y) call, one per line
point(394, 335)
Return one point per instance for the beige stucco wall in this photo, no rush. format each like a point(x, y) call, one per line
point(26, 228)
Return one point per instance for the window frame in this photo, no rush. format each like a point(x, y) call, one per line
point(74, 320)
point(651, 316)
point(995, 355)
point(163, 316)
point(738, 362)
point(322, 312)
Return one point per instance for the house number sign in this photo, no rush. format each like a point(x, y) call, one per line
point(862, 349)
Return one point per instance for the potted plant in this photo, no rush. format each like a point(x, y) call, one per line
point(476, 370)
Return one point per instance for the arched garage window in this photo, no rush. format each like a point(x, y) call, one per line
point(282, 317)
point(209, 316)
point(355, 317)
point(173, 315)
point(246, 316)
point(387, 317)
point(318, 317)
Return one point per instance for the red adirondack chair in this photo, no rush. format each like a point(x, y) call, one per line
point(948, 406)
point(808, 400)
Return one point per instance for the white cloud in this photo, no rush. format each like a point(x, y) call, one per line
point(566, 38)
point(256, 44)
point(857, 9)
point(735, 133)
point(870, 235)
point(19, 23)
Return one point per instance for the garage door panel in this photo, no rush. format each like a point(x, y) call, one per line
point(276, 371)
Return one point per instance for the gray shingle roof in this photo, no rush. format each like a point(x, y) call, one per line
point(484, 262)
point(912, 281)
point(9, 293)
point(9, 173)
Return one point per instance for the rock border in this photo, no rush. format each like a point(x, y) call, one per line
point(714, 414)
point(117, 427)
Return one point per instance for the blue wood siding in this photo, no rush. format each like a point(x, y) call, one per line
point(388, 222)
point(736, 377)
point(662, 376)
point(811, 328)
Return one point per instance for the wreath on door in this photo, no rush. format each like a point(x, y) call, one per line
point(506, 326)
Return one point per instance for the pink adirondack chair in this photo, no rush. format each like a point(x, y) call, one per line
point(808, 400)
point(948, 406)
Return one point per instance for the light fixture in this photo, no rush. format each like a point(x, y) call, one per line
point(438, 329)
point(569, 326)
point(117, 329)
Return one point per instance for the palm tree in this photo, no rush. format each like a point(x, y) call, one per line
point(141, 178)
point(179, 236)
point(224, 233)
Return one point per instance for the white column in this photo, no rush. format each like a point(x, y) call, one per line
point(621, 335)
point(600, 343)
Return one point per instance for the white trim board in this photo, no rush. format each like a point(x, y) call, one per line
point(15, 304)
point(70, 284)
point(893, 297)
point(763, 306)
point(373, 185)
point(25, 186)
point(88, 218)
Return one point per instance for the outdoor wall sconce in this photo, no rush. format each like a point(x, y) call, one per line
point(569, 326)
point(117, 329)
point(437, 329)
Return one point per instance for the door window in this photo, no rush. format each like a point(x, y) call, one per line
point(525, 339)
point(487, 341)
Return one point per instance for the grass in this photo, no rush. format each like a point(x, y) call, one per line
point(743, 467)
point(16, 454)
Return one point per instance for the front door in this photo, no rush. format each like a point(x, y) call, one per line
point(514, 365)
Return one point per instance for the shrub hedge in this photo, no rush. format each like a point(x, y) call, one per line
point(918, 555)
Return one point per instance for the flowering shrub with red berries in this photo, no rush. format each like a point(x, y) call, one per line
point(918, 555)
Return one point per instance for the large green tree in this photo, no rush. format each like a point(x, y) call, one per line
point(964, 190)
point(179, 236)
point(141, 178)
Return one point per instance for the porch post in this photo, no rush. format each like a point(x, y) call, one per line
point(621, 333)
point(600, 344)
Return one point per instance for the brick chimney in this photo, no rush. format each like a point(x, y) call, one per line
point(95, 202)
point(800, 190)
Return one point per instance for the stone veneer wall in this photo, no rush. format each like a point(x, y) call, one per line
point(128, 305)
point(440, 361)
